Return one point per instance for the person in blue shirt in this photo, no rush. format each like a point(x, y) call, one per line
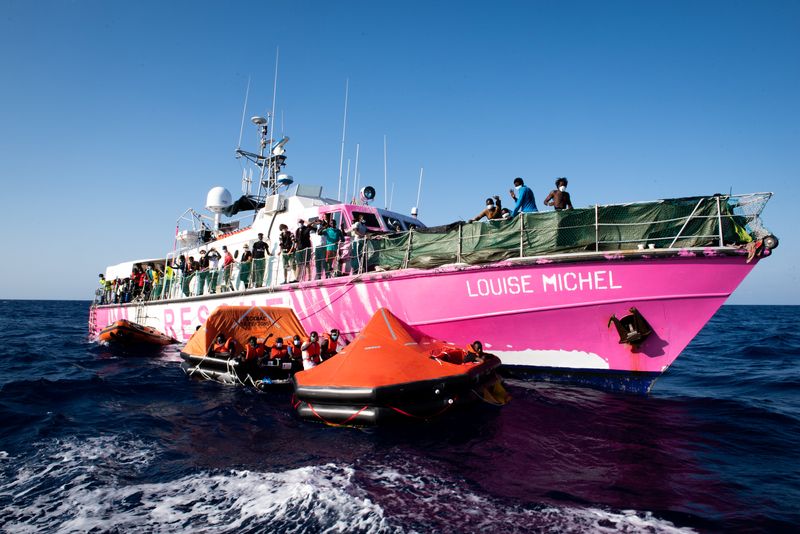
point(524, 197)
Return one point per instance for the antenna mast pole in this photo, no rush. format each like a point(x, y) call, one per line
point(385, 176)
point(355, 173)
point(244, 111)
point(419, 187)
point(347, 187)
point(344, 129)
point(275, 90)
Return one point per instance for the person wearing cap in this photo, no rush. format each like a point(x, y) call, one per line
point(302, 258)
point(492, 211)
point(522, 194)
point(558, 197)
point(245, 265)
point(260, 252)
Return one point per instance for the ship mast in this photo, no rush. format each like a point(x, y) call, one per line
point(270, 160)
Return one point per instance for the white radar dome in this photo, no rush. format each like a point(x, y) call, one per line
point(218, 199)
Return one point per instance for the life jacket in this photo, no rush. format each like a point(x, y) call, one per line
point(253, 353)
point(276, 352)
point(311, 354)
point(332, 344)
point(227, 346)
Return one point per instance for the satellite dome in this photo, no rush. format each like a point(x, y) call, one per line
point(218, 199)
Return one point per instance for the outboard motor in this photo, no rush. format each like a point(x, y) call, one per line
point(633, 328)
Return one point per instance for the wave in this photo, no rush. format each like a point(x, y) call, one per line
point(77, 485)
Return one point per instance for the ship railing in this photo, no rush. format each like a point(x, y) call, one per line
point(715, 221)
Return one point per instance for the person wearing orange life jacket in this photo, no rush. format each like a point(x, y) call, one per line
point(223, 345)
point(329, 344)
point(253, 350)
point(311, 351)
point(279, 350)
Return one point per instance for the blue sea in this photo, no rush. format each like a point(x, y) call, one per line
point(99, 440)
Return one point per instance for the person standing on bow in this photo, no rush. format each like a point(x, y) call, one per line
point(558, 197)
point(492, 211)
point(522, 194)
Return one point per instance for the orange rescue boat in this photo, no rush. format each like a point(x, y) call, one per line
point(130, 333)
point(393, 371)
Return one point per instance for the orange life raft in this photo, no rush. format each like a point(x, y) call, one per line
point(391, 371)
point(128, 332)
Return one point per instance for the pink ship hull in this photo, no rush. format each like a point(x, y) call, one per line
point(540, 318)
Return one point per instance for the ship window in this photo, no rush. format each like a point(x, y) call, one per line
point(369, 219)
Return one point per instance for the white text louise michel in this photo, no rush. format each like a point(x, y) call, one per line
point(546, 283)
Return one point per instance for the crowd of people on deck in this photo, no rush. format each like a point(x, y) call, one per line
point(313, 251)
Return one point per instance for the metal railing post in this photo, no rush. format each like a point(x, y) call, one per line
point(596, 228)
point(719, 223)
point(521, 235)
point(686, 222)
point(460, 236)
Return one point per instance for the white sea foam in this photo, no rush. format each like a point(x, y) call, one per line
point(78, 486)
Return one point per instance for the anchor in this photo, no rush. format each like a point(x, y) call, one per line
point(633, 328)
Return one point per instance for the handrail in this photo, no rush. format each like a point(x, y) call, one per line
point(557, 235)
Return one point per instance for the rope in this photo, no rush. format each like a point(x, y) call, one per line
point(437, 414)
point(343, 423)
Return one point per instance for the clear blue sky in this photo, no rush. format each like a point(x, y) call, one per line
point(117, 116)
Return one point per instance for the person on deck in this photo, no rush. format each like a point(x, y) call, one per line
point(492, 211)
point(213, 269)
point(357, 231)
point(311, 351)
point(260, 252)
point(302, 258)
point(245, 265)
point(332, 238)
point(318, 242)
point(227, 266)
point(522, 194)
point(558, 197)
point(286, 244)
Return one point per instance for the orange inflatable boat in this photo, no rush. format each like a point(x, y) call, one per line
point(392, 371)
point(237, 324)
point(130, 333)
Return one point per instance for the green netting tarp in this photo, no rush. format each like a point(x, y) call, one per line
point(686, 222)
